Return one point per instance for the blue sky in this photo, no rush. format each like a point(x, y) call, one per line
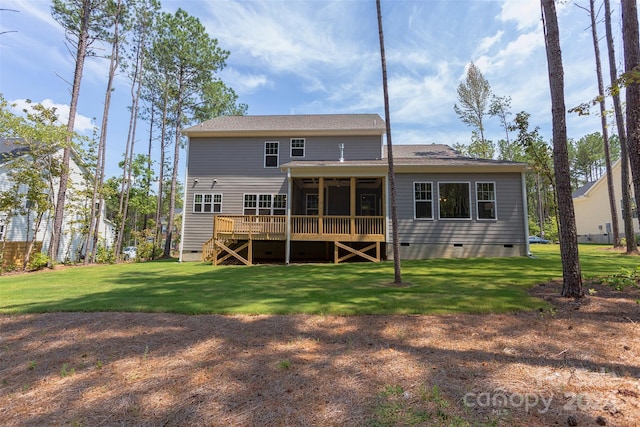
point(312, 56)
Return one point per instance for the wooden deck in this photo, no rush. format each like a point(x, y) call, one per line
point(341, 230)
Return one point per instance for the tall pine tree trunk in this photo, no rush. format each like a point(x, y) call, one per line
point(631, 42)
point(392, 182)
point(94, 219)
point(605, 131)
point(627, 211)
point(572, 276)
point(81, 53)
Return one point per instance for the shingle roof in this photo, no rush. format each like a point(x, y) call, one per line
point(288, 123)
point(423, 151)
point(434, 155)
point(583, 190)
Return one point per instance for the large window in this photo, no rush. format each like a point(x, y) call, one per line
point(207, 203)
point(454, 200)
point(422, 200)
point(486, 200)
point(265, 204)
point(297, 147)
point(271, 149)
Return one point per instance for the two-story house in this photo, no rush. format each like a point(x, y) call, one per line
point(297, 188)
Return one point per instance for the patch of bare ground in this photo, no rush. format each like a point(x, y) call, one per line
point(576, 364)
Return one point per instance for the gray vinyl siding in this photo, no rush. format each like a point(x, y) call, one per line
point(238, 166)
point(506, 232)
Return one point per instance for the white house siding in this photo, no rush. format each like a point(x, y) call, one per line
point(70, 240)
point(421, 238)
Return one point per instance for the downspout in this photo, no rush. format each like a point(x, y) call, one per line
point(184, 200)
point(287, 246)
point(525, 208)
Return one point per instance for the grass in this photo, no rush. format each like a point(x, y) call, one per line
point(480, 285)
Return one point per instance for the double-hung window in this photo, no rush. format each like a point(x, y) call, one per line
point(486, 199)
point(271, 154)
point(455, 200)
point(207, 203)
point(265, 204)
point(423, 200)
point(297, 147)
point(250, 204)
point(279, 204)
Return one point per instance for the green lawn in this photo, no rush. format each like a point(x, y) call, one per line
point(438, 286)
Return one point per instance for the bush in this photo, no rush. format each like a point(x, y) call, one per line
point(105, 256)
point(38, 261)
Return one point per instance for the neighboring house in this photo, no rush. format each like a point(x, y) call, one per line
point(593, 214)
point(18, 231)
point(315, 187)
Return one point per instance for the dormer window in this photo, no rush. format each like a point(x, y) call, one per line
point(297, 147)
point(271, 149)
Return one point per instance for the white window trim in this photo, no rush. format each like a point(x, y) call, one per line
point(213, 203)
point(495, 201)
point(470, 217)
point(257, 208)
point(264, 164)
point(413, 188)
point(213, 195)
point(304, 147)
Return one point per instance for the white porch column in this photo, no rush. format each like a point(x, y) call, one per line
point(287, 245)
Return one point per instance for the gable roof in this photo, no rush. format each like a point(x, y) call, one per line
point(582, 191)
point(295, 125)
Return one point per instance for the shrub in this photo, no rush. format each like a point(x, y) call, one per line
point(38, 261)
point(105, 256)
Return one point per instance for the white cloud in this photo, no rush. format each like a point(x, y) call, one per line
point(487, 42)
point(515, 52)
point(83, 124)
point(244, 83)
point(525, 13)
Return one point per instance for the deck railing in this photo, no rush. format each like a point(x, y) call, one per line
point(273, 227)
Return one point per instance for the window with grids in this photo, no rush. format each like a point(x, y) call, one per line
point(280, 204)
point(271, 149)
point(312, 204)
point(250, 204)
point(486, 199)
point(423, 200)
point(297, 147)
point(265, 204)
point(207, 203)
point(454, 200)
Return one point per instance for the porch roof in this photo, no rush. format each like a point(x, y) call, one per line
point(407, 158)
